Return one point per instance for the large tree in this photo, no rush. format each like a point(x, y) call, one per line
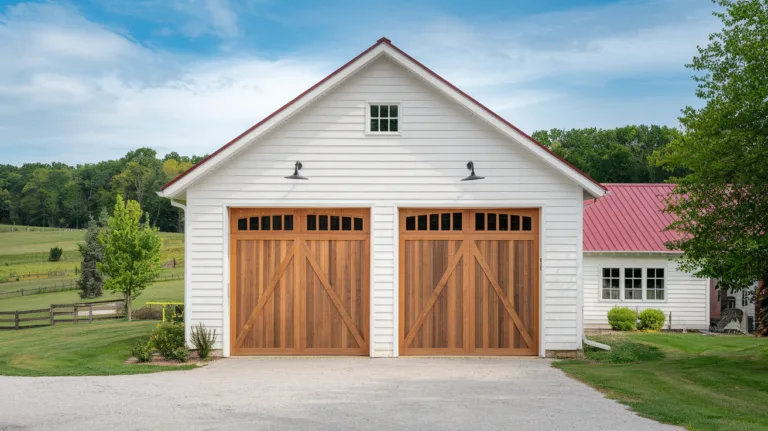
point(722, 204)
point(131, 259)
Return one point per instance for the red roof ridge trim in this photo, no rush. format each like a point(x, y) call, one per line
point(382, 40)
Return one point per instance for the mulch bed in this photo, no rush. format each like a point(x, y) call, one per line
point(158, 359)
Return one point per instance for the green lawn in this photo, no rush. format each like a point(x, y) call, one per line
point(75, 350)
point(169, 291)
point(696, 381)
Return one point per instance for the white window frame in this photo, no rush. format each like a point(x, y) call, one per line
point(624, 283)
point(622, 296)
point(368, 118)
point(663, 283)
point(745, 299)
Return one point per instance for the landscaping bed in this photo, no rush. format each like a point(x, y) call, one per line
point(698, 381)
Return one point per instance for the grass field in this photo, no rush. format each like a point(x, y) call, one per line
point(168, 291)
point(75, 350)
point(24, 255)
point(692, 380)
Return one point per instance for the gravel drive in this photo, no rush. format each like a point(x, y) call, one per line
point(316, 393)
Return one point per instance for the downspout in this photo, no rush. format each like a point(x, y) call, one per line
point(187, 326)
point(594, 344)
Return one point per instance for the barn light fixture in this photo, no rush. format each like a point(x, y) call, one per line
point(296, 168)
point(472, 176)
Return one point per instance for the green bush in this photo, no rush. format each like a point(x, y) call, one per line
point(622, 319)
point(148, 313)
point(166, 338)
point(174, 313)
point(652, 319)
point(55, 254)
point(142, 351)
point(180, 354)
point(203, 339)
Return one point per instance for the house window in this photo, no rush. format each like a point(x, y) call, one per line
point(633, 283)
point(731, 302)
point(744, 299)
point(655, 283)
point(383, 118)
point(611, 283)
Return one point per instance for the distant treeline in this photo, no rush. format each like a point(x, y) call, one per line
point(59, 195)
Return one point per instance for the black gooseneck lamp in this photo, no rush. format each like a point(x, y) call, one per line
point(472, 176)
point(296, 168)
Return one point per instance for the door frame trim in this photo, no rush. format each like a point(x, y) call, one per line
point(540, 205)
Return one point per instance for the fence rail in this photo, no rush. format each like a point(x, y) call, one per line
point(15, 277)
point(68, 286)
point(79, 312)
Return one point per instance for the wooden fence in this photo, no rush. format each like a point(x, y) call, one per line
point(16, 277)
point(84, 312)
point(62, 287)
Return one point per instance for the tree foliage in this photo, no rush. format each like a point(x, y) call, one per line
point(619, 155)
point(91, 281)
point(722, 203)
point(131, 247)
point(58, 195)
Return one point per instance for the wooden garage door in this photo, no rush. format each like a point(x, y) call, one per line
point(469, 282)
point(299, 281)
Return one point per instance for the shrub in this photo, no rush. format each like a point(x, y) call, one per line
point(203, 339)
point(142, 351)
point(148, 313)
point(174, 313)
point(652, 319)
point(622, 319)
point(55, 253)
point(166, 338)
point(180, 354)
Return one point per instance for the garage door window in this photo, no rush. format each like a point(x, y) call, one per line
point(333, 223)
point(434, 222)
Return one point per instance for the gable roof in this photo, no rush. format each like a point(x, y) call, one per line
point(629, 218)
point(383, 46)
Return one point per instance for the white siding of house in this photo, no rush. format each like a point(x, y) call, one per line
point(421, 167)
point(686, 296)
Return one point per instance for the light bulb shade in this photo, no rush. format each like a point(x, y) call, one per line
point(472, 176)
point(296, 168)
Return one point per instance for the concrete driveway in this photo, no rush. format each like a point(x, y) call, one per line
point(330, 394)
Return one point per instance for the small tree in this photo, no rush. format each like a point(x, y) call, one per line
point(54, 255)
point(131, 252)
point(91, 280)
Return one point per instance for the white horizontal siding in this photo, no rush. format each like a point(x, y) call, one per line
point(421, 166)
point(686, 295)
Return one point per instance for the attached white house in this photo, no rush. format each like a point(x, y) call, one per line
point(626, 263)
point(384, 212)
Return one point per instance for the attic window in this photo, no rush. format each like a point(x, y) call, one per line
point(383, 118)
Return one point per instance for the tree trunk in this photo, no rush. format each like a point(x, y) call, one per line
point(761, 307)
point(128, 306)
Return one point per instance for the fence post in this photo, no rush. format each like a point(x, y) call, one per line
point(75, 307)
point(90, 313)
point(53, 321)
point(22, 292)
point(16, 320)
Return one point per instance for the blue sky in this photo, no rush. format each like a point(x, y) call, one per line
point(86, 81)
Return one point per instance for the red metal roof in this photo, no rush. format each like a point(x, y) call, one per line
point(628, 218)
point(386, 41)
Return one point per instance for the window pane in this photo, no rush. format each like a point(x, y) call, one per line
point(311, 222)
point(457, 221)
point(346, 223)
point(614, 283)
point(374, 125)
point(503, 222)
point(615, 272)
point(358, 223)
point(638, 273)
point(242, 224)
point(288, 222)
point(606, 294)
point(264, 222)
point(659, 272)
point(335, 223)
point(374, 111)
point(323, 222)
point(660, 295)
point(393, 111)
point(651, 294)
point(491, 221)
point(515, 222)
point(383, 111)
point(383, 126)
point(606, 272)
point(651, 272)
point(410, 223)
point(393, 125)
point(526, 223)
point(422, 222)
point(479, 221)
point(254, 223)
point(433, 222)
point(277, 222)
point(445, 221)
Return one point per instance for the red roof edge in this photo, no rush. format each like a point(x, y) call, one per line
point(347, 64)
